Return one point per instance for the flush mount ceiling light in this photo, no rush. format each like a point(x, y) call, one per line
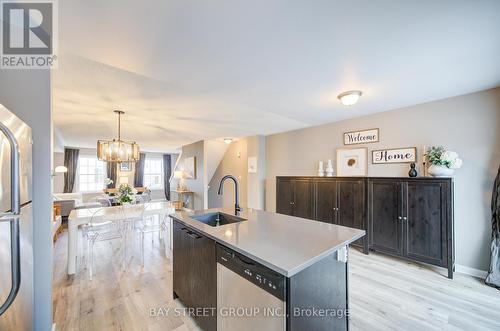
point(349, 98)
point(228, 140)
point(117, 150)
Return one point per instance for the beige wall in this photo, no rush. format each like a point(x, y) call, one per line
point(215, 150)
point(233, 163)
point(199, 184)
point(256, 181)
point(469, 125)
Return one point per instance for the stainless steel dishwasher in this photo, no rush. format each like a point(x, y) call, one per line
point(250, 296)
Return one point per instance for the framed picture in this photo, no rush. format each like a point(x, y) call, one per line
point(125, 166)
point(394, 155)
point(352, 162)
point(361, 137)
point(190, 167)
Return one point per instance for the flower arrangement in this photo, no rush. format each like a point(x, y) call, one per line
point(438, 156)
point(126, 194)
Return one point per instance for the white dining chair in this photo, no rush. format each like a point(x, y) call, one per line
point(144, 197)
point(98, 230)
point(150, 224)
point(103, 200)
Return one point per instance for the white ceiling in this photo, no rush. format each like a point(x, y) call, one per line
point(189, 70)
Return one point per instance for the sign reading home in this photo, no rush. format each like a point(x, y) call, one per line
point(395, 155)
point(361, 137)
point(29, 34)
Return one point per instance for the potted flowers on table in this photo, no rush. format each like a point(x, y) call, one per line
point(443, 162)
point(126, 194)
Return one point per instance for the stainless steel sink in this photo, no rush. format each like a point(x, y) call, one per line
point(217, 219)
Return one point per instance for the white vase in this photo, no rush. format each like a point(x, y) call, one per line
point(321, 171)
point(440, 171)
point(329, 169)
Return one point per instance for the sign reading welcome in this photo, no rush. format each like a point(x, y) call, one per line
point(395, 155)
point(361, 137)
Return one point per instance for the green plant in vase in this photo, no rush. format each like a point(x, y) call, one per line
point(126, 194)
point(443, 162)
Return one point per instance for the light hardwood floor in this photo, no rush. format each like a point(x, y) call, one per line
point(385, 294)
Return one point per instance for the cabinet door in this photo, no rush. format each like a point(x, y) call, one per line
point(284, 196)
point(351, 206)
point(425, 223)
point(203, 265)
point(385, 210)
point(325, 198)
point(181, 262)
point(351, 203)
point(302, 198)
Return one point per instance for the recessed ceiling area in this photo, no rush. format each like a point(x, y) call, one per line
point(190, 70)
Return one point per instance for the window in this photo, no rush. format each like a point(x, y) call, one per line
point(91, 174)
point(153, 173)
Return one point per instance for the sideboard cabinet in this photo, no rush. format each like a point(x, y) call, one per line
point(296, 197)
point(411, 218)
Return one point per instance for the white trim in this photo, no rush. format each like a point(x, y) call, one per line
point(54, 327)
point(471, 271)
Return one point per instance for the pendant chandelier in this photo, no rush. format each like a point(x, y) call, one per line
point(117, 150)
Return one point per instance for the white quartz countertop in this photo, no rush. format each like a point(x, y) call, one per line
point(286, 244)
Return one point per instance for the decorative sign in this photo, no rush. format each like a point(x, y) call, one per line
point(394, 155)
point(361, 137)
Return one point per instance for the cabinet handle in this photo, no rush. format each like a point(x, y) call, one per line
point(194, 235)
point(405, 218)
point(399, 217)
point(292, 203)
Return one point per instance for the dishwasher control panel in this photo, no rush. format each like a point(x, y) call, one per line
point(260, 275)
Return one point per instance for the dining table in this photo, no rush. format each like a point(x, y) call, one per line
point(79, 217)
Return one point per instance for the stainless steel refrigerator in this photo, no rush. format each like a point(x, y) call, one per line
point(16, 224)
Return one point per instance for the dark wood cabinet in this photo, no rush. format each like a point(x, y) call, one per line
point(180, 262)
point(195, 272)
point(351, 206)
point(284, 196)
point(413, 219)
point(407, 217)
point(326, 200)
point(342, 201)
point(294, 197)
point(386, 231)
point(426, 221)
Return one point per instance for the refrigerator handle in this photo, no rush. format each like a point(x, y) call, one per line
point(15, 191)
point(15, 265)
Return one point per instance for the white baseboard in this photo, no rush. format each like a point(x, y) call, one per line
point(471, 271)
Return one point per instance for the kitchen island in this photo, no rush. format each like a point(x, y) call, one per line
point(294, 269)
